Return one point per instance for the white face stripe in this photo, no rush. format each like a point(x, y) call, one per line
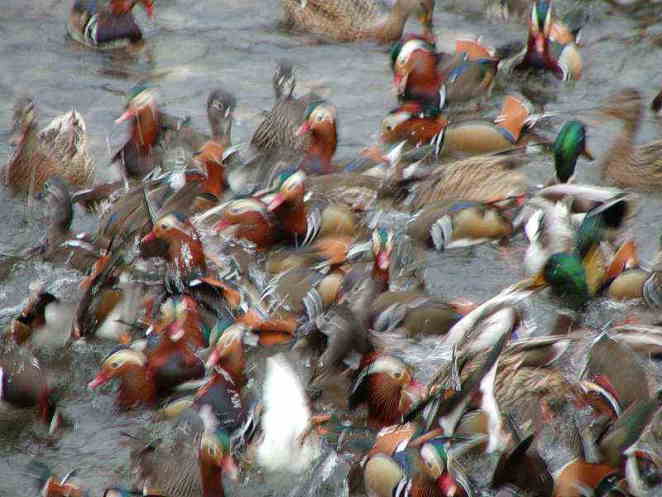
point(408, 48)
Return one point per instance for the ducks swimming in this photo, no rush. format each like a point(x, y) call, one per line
point(313, 322)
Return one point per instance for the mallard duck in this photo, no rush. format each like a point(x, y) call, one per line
point(569, 144)
point(351, 21)
point(58, 149)
point(626, 164)
point(108, 26)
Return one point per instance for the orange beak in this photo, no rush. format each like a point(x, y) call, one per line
point(277, 201)
point(304, 129)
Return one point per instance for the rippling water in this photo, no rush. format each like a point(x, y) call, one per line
point(195, 45)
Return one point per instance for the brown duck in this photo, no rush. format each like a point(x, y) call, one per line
point(58, 149)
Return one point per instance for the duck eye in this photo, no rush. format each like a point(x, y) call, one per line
point(115, 364)
point(398, 375)
point(164, 226)
point(320, 117)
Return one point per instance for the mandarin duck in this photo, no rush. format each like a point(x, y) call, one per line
point(194, 464)
point(423, 75)
point(387, 386)
point(25, 385)
point(145, 377)
point(625, 164)
point(249, 219)
point(58, 149)
point(303, 222)
point(352, 21)
point(50, 485)
point(628, 280)
point(106, 26)
point(445, 225)
point(425, 470)
point(550, 45)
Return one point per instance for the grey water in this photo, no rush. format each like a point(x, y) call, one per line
point(196, 45)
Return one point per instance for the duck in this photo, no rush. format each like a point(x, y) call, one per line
point(249, 219)
point(419, 470)
point(387, 386)
point(60, 244)
point(481, 178)
point(59, 149)
point(194, 464)
point(550, 45)
point(570, 143)
point(302, 222)
point(25, 385)
point(353, 21)
point(146, 377)
point(444, 225)
point(625, 164)
point(50, 485)
point(288, 441)
point(423, 75)
point(108, 26)
point(319, 124)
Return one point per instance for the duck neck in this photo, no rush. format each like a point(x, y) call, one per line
point(294, 217)
point(622, 151)
point(257, 229)
point(121, 7)
point(136, 387)
point(221, 130)
point(383, 405)
point(392, 27)
point(323, 143)
point(146, 127)
point(212, 479)
point(381, 276)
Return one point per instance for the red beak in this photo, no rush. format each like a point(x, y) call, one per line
point(149, 8)
point(383, 260)
point(400, 83)
point(539, 43)
point(303, 129)
point(99, 380)
point(149, 237)
point(277, 201)
point(213, 359)
point(128, 114)
point(230, 468)
point(222, 225)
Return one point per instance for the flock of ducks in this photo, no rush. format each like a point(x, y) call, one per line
point(207, 253)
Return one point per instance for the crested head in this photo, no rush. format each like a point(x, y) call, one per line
point(541, 16)
point(569, 144)
point(222, 101)
point(124, 355)
point(435, 456)
point(402, 50)
point(289, 179)
point(284, 80)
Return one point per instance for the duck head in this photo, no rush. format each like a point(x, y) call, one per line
point(540, 25)
point(415, 73)
point(626, 105)
point(220, 106)
point(23, 119)
point(142, 110)
point(412, 122)
point(215, 460)
point(130, 367)
point(570, 143)
point(320, 124)
point(228, 353)
point(387, 386)
point(565, 274)
point(251, 220)
point(283, 80)
point(184, 247)
point(382, 247)
point(288, 203)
